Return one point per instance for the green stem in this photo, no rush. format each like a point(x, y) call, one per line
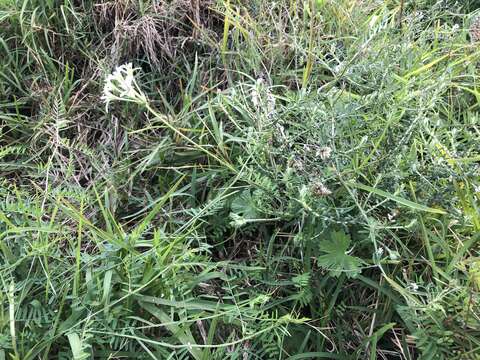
point(167, 123)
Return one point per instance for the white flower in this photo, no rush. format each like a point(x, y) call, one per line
point(255, 98)
point(324, 152)
point(393, 215)
point(319, 189)
point(379, 252)
point(121, 85)
point(270, 104)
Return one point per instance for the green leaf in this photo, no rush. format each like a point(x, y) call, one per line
point(244, 206)
point(77, 347)
point(397, 199)
point(337, 259)
point(181, 333)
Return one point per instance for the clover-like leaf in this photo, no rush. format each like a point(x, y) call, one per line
point(336, 258)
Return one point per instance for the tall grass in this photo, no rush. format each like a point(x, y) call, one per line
point(291, 180)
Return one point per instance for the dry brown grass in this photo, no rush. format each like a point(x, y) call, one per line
point(160, 32)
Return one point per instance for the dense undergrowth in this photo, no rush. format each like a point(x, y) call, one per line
point(288, 180)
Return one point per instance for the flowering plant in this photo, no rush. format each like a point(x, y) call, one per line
point(121, 85)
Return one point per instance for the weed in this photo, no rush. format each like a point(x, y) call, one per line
point(239, 179)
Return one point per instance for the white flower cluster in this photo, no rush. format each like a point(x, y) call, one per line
point(121, 85)
point(260, 90)
point(324, 152)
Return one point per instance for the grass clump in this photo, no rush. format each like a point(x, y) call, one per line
point(239, 179)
